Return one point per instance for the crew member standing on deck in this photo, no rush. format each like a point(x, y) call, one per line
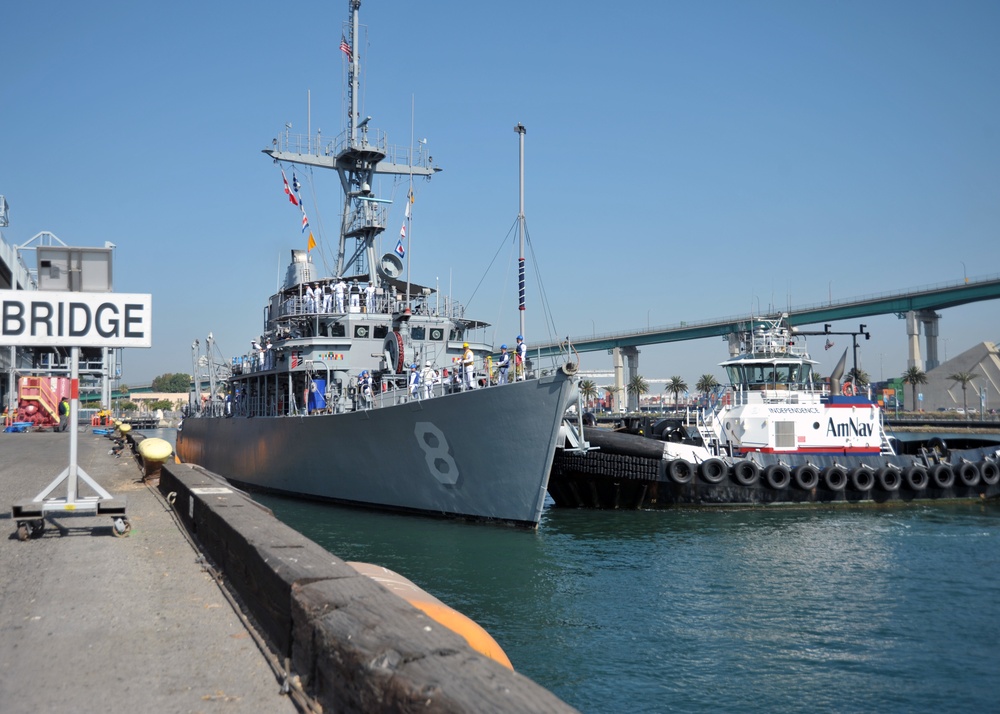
point(327, 298)
point(338, 293)
point(521, 358)
point(503, 364)
point(370, 297)
point(355, 293)
point(310, 299)
point(428, 377)
point(365, 387)
point(468, 367)
point(414, 382)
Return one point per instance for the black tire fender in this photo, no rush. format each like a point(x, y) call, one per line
point(777, 476)
point(806, 477)
point(746, 473)
point(916, 477)
point(680, 471)
point(712, 470)
point(943, 475)
point(862, 478)
point(889, 478)
point(989, 472)
point(968, 474)
point(835, 478)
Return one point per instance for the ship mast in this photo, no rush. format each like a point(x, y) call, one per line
point(520, 227)
point(357, 155)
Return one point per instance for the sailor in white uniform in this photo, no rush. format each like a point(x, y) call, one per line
point(327, 298)
point(428, 377)
point(338, 292)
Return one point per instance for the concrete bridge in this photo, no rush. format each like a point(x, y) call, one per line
point(917, 305)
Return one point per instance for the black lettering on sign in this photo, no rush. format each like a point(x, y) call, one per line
point(41, 317)
point(13, 318)
point(108, 327)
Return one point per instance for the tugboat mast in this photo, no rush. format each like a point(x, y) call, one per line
point(357, 158)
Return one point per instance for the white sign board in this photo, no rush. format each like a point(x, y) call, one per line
point(42, 318)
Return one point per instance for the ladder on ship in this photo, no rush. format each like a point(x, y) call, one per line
point(708, 437)
point(886, 446)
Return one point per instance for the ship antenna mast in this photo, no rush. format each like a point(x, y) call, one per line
point(520, 228)
point(352, 77)
point(357, 159)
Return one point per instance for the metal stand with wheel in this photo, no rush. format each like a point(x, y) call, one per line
point(30, 515)
point(74, 307)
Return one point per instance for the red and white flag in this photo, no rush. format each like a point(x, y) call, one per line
point(288, 190)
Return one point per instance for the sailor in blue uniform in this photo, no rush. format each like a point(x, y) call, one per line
point(414, 381)
point(521, 358)
point(503, 364)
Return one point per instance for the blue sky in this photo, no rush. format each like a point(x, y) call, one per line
point(684, 160)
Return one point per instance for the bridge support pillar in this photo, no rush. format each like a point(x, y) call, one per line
point(913, 341)
point(618, 404)
point(631, 354)
point(929, 320)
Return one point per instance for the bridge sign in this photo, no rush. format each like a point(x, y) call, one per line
point(41, 318)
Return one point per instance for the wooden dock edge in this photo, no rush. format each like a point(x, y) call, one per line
point(354, 645)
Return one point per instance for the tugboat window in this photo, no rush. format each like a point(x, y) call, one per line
point(437, 334)
point(456, 336)
point(418, 333)
point(362, 331)
point(380, 331)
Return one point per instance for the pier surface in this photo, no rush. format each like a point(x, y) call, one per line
point(150, 622)
point(91, 622)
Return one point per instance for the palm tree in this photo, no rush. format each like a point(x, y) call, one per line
point(965, 378)
point(609, 397)
point(588, 390)
point(706, 384)
point(859, 377)
point(637, 386)
point(914, 376)
point(676, 385)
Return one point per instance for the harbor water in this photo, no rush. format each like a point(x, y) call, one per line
point(775, 610)
point(817, 609)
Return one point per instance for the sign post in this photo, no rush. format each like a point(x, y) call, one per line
point(63, 317)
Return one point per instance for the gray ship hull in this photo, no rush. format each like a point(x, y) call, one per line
point(485, 454)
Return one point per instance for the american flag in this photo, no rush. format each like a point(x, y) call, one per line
point(344, 47)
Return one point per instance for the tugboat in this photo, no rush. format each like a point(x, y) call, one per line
point(357, 390)
point(775, 435)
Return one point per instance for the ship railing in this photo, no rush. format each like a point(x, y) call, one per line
point(245, 406)
point(797, 394)
point(370, 139)
point(353, 303)
point(367, 215)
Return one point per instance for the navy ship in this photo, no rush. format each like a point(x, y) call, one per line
point(358, 388)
